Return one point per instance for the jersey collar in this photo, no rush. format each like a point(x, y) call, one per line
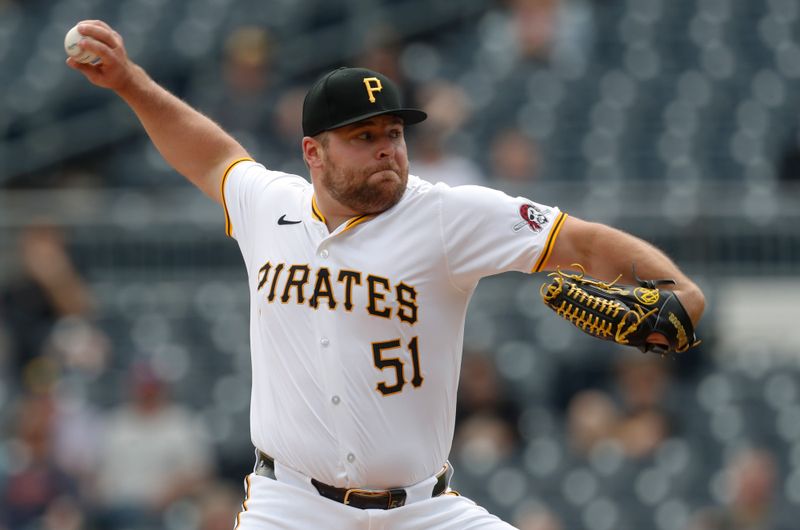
point(347, 225)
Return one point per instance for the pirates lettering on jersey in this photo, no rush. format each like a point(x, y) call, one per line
point(406, 300)
point(348, 278)
point(327, 292)
point(378, 288)
point(275, 277)
point(298, 278)
point(323, 289)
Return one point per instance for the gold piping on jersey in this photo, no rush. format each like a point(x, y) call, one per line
point(315, 210)
point(356, 221)
point(551, 240)
point(244, 504)
point(228, 227)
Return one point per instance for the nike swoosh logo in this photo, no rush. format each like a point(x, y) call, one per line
point(283, 221)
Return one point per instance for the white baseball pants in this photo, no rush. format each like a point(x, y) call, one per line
point(275, 504)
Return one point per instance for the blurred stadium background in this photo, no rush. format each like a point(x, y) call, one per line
point(123, 307)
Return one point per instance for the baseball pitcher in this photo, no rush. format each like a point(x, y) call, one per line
point(359, 283)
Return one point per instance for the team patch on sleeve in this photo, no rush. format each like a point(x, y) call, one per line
point(533, 216)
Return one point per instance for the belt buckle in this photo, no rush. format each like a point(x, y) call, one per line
point(366, 493)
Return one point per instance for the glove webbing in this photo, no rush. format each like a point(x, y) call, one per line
point(593, 324)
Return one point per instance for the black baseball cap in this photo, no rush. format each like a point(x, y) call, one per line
point(348, 95)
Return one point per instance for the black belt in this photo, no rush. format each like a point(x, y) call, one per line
point(356, 497)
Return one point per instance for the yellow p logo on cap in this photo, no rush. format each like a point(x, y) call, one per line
point(373, 84)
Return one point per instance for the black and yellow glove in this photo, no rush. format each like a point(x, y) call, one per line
point(625, 314)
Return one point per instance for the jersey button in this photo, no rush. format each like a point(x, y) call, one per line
point(324, 253)
point(335, 400)
point(351, 457)
point(325, 342)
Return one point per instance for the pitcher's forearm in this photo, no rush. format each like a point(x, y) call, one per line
point(620, 251)
point(189, 141)
point(606, 252)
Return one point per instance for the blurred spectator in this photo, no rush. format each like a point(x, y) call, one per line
point(480, 391)
point(218, 502)
point(35, 483)
point(288, 128)
point(289, 112)
point(434, 163)
point(48, 289)
point(592, 417)
point(486, 419)
point(381, 52)
point(64, 513)
point(752, 479)
point(154, 452)
point(483, 441)
point(642, 383)
point(535, 24)
point(538, 519)
point(641, 432)
point(447, 104)
point(552, 30)
point(514, 159)
point(637, 418)
point(79, 347)
point(434, 159)
point(242, 101)
point(77, 435)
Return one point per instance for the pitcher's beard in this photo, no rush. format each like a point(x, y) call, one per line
point(369, 191)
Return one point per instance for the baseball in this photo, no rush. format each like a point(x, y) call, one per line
point(74, 50)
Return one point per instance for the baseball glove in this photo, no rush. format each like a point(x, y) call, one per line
point(625, 314)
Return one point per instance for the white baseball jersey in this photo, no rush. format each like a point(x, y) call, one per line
point(356, 335)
